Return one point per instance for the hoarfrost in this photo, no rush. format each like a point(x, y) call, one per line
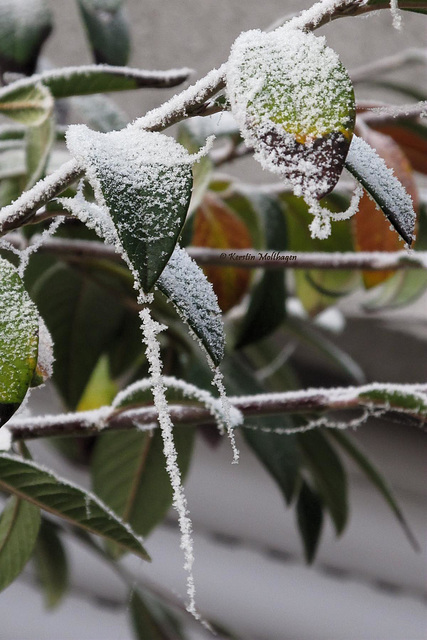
point(321, 225)
point(396, 14)
point(151, 329)
point(36, 243)
point(5, 439)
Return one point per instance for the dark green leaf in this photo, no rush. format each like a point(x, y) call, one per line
point(19, 526)
point(185, 284)
point(328, 474)
point(51, 564)
point(85, 80)
point(83, 318)
point(151, 620)
point(310, 520)
point(294, 103)
point(363, 462)
point(28, 103)
point(32, 482)
point(24, 26)
point(145, 179)
point(107, 29)
point(266, 309)
point(278, 453)
point(383, 186)
point(19, 327)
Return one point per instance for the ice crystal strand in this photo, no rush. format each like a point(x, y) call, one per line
point(395, 12)
point(321, 225)
point(218, 382)
point(151, 329)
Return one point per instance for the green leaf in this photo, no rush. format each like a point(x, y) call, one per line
point(294, 103)
point(51, 564)
point(278, 453)
point(187, 287)
point(24, 26)
point(79, 81)
point(129, 474)
point(310, 520)
point(328, 474)
point(19, 327)
point(19, 526)
point(394, 398)
point(376, 478)
point(404, 287)
point(40, 139)
point(151, 620)
point(83, 318)
point(298, 220)
point(383, 186)
point(107, 29)
point(266, 309)
point(28, 104)
point(145, 181)
point(28, 480)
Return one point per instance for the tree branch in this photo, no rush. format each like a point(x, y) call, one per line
point(374, 397)
point(78, 250)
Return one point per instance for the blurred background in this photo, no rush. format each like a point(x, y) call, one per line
point(250, 572)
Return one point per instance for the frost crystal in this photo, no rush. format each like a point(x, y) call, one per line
point(397, 16)
point(294, 102)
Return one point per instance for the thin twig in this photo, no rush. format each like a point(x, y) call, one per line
point(374, 396)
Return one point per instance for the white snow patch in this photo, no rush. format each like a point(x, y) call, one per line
point(5, 439)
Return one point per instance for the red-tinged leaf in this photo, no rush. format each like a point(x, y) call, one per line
point(216, 226)
point(371, 229)
point(411, 136)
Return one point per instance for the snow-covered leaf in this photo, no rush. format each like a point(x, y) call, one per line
point(328, 474)
point(51, 564)
point(294, 103)
point(309, 520)
point(83, 318)
point(144, 180)
point(372, 230)
point(28, 480)
point(24, 26)
point(185, 284)
point(107, 29)
point(360, 458)
point(19, 329)
point(19, 526)
point(266, 309)
point(383, 186)
point(216, 226)
point(40, 139)
point(29, 104)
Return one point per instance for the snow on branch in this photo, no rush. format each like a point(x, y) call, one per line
point(404, 400)
point(76, 250)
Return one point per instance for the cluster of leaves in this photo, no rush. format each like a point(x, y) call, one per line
point(88, 302)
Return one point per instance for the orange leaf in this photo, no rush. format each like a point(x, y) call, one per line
point(218, 227)
point(413, 141)
point(371, 229)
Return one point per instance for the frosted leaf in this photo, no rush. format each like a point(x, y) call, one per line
point(383, 186)
point(19, 326)
point(185, 284)
point(45, 357)
point(92, 215)
point(294, 103)
point(144, 180)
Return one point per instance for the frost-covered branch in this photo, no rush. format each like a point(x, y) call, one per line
point(19, 212)
point(76, 250)
point(387, 113)
point(408, 400)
